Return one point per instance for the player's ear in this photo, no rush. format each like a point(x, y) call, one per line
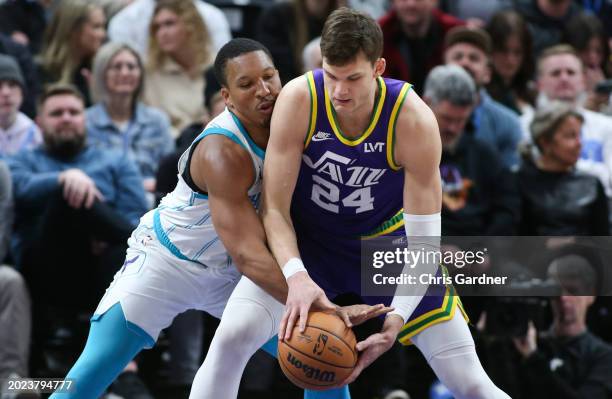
point(226, 97)
point(379, 66)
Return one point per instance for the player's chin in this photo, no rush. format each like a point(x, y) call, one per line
point(265, 122)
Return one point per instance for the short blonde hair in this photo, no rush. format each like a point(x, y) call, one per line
point(103, 58)
point(199, 40)
point(559, 49)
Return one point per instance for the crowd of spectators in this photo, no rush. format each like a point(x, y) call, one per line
point(99, 98)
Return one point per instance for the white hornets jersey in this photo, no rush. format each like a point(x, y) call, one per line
point(182, 222)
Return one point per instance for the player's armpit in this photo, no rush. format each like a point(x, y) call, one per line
point(226, 171)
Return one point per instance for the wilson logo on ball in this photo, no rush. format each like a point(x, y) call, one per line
point(311, 372)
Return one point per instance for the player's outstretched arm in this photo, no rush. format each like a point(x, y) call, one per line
point(226, 172)
point(282, 165)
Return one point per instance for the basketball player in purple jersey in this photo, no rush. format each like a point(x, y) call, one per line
point(353, 155)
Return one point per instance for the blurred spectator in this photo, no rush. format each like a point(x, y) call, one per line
point(76, 205)
point(414, 34)
point(475, 12)
point(586, 34)
point(25, 21)
point(15, 316)
point(512, 61)
point(179, 53)
point(17, 131)
point(547, 20)
point(490, 121)
point(374, 8)
point(479, 195)
point(285, 28)
point(601, 9)
point(131, 25)
point(30, 75)
point(567, 361)
point(71, 40)
point(6, 211)
point(560, 77)
point(556, 199)
point(311, 56)
point(112, 7)
point(119, 120)
point(213, 100)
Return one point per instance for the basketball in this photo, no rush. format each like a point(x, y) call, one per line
point(320, 357)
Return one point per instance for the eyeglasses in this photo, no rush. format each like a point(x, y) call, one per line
point(131, 67)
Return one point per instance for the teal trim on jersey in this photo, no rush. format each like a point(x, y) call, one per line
point(256, 149)
point(221, 131)
point(200, 195)
point(164, 239)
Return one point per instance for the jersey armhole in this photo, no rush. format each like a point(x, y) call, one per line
point(391, 133)
point(312, 122)
point(208, 132)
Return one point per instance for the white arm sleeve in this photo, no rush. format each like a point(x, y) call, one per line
point(423, 233)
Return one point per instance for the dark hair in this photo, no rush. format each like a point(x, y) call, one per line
point(581, 29)
point(59, 89)
point(232, 49)
point(501, 27)
point(346, 32)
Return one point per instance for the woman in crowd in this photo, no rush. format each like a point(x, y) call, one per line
point(586, 34)
point(179, 53)
point(71, 40)
point(285, 28)
point(558, 200)
point(118, 120)
point(512, 61)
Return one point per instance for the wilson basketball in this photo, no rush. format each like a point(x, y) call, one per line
point(322, 356)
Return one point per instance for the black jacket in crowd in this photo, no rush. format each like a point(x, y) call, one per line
point(561, 203)
point(26, 16)
point(492, 201)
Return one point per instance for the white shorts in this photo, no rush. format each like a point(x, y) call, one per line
point(153, 285)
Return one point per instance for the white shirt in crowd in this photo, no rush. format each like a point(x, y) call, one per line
point(131, 25)
point(23, 134)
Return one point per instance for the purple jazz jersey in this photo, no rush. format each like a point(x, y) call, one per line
point(348, 188)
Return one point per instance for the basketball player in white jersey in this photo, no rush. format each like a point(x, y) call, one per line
point(190, 251)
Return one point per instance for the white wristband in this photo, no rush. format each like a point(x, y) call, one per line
point(293, 265)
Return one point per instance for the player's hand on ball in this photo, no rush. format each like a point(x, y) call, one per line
point(354, 315)
point(303, 294)
point(375, 345)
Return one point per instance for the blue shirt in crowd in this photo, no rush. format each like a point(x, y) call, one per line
point(146, 139)
point(35, 178)
point(498, 126)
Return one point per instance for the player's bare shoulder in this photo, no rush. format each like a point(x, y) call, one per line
point(417, 133)
point(218, 158)
point(291, 112)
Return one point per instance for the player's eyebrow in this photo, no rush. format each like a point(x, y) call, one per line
point(329, 74)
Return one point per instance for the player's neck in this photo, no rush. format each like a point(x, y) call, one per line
point(258, 133)
point(356, 121)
